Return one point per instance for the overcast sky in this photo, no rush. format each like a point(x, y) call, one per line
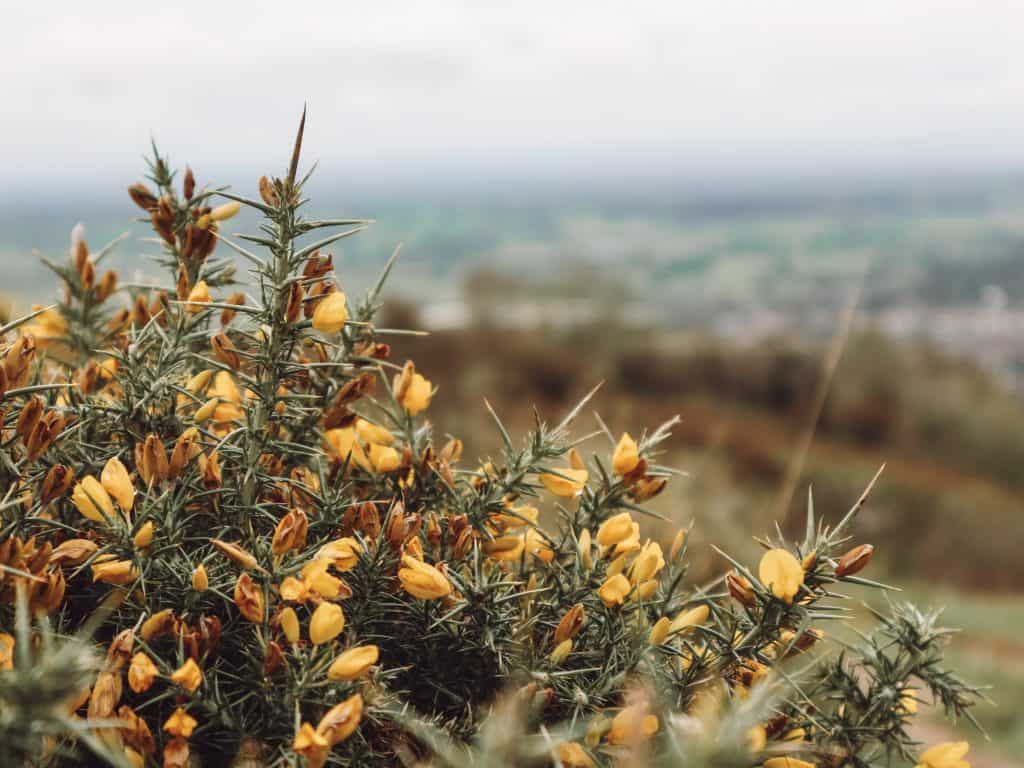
point(512, 87)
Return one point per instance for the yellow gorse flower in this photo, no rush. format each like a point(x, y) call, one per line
point(92, 500)
point(615, 529)
point(567, 483)
point(144, 536)
point(422, 580)
point(199, 295)
point(687, 620)
point(290, 625)
point(200, 579)
point(353, 663)
point(180, 723)
point(225, 211)
point(572, 755)
point(331, 313)
point(781, 572)
point(787, 762)
point(327, 623)
point(371, 433)
point(632, 725)
point(118, 483)
point(947, 755)
point(614, 590)
point(417, 395)
point(188, 676)
point(141, 673)
point(626, 456)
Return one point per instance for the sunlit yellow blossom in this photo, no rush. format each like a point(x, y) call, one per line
point(116, 481)
point(506, 548)
point(144, 536)
point(615, 529)
point(353, 662)
point(92, 500)
point(782, 573)
point(757, 738)
point(947, 755)
point(626, 455)
point(572, 755)
point(342, 553)
point(200, 579)
point(180, 723)
point(908, 701)
point(561, 652)
point(614, 590)
point(327, 623)
point(413, 391)
point(687, 620)
point(6, 651)
point(632, 725)
point(384, 458)
point(567, 483)
point(290, 625)
point(199, 295)
point(659, 632)
point(119, 572)
point(311, 745)
point(225, 211)
point(188, 676)
point(787, 762)
point(371, 433)
point(422, 580)
point(141, 673)
point(648, 563)
point(224, 388)
point(207, 410)
point(331, 313)
point(343, 446)
point(341, 720)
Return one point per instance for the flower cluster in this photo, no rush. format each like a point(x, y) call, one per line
point(236, 497)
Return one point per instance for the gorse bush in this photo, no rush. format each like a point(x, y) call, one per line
point(232, 536)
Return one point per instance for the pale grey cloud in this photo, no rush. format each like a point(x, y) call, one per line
point(485, 83)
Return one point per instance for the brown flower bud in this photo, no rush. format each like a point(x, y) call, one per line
point(367, 520)
point(854, 561)
point(106, 286)
point(648, 488)
point(186, 448)
point(142, 197)
point(740, 588)
point(293, 307)
point(29, 417)
point(268, 194)
point(43, 435)
point(189, 185)
point(140, 312)
point(212, 472)
point(56, 483)
point(227, 315)
point(273, 660)
point(570, 625)
point(225, 351)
